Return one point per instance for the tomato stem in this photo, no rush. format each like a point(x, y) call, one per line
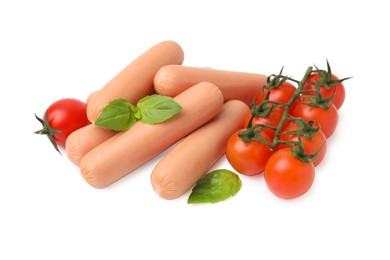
point(288, 106)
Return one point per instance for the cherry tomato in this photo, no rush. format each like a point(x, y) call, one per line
point(62, 118)
point(293, 105)
point(338, 89)
point(272, 120)
point(310, 146)
point(327, 118)
point(281, 94)
point(286, 176)
point(248, 158)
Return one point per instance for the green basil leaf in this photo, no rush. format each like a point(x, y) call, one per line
point(215, 186)
point(118, 115)
point(155, 109)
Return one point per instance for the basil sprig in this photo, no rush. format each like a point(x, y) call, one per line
point(120, 114)
point(215, 186)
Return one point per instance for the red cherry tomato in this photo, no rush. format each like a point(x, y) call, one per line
point(327, 118)
point(310, 146)
point(286, 176)
point(248, 158)
point(281, 94)
point(62, 118)
point(338, 89)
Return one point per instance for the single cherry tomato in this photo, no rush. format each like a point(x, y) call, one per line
point(327, 118)
point(338, 89)
point(286, 176)
point(311, 146)
point(248, 158)
point(293, 105)
point(62, 118)
point(272, 120)
point(281, 94)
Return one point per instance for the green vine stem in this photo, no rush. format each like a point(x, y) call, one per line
point(288, 105)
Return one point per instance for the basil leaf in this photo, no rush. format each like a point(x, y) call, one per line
point(155, 109)
point(215, 186)
point(118, 115)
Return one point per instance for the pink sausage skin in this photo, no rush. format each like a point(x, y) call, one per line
point(128, 150)
point(136, 80)
point(133, 83)
point(83, 140)
point(170, 80)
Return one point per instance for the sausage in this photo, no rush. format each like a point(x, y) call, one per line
point(190, 159)
point(91, 95)
point(128, 150)
point(136, 80)
point(170, 80)
point(133, 83)
point(83, 140)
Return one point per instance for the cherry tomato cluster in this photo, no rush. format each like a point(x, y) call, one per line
point(285, 133)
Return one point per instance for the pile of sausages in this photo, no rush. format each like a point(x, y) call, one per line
point(214, 103)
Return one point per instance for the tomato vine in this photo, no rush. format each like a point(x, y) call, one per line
point(309, 93)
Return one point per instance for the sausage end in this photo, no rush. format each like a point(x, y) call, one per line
point(164, 185)
point(87, 172)
point(166, 81)
point(176, 48)
point(72, 147)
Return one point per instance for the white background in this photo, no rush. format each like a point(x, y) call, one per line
point(55, 49)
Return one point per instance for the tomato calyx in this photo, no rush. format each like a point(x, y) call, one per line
point(318, 100)
point(265, 108)
point(315, 97)
point(306, 129)
point(48, 130)
point(274, 81)
point(253, 134)
point(326, 78)
point(298, 151)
